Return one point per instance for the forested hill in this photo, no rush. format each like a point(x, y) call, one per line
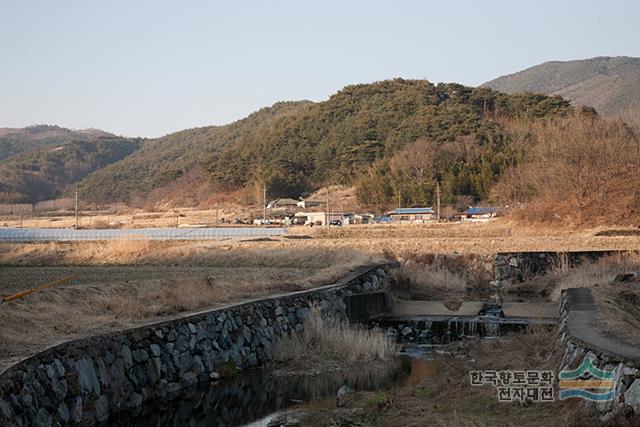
point(60, 160)
point(394, 137)
point(17, 140)
point(609, 84)
point(161, 161)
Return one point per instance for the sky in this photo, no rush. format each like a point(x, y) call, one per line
point(148, 68)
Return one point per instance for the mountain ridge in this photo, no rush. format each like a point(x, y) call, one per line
point(39, 162)
point(609, 84)
point(363, 135)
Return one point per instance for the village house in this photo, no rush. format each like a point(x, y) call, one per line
point(283, 204)
point(401, 215)
point(321, 218)
point(308, 203)
point(361, 219)
point(480, 213)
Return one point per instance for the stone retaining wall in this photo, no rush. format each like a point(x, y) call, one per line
point(581, 339)
point(84, 381)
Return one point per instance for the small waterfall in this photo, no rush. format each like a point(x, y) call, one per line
point(447, 337)
point(461, 328)
point(471, 328)
point(492, 327)
point(443, 330)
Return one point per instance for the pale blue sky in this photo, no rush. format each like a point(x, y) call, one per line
point(146, 68)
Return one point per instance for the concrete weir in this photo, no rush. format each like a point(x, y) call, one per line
point(434, 322)
point(85, 381)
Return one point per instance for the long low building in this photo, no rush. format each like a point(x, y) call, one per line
point(480, 213)
point(412, 215)
point(322, 218)
point(335, 218)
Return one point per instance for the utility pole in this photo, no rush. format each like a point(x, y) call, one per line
point(437, 201)
point(399, 199)
point(77, 208)
point(264, 205)
point(328, 222)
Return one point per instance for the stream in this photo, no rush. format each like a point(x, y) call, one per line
point(254, 397)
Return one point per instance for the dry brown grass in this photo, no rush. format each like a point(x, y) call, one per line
point(427, 282)
point(495, 229)
point(446, 398)
point(327, 338)
point(127, 283)
point(131, 218)
point(341, 198)
point(134, 270)
point(399, 241)
point(502, 235)
point(429, 276)
point(152, 252)
point(619, 311)
point(589, 274)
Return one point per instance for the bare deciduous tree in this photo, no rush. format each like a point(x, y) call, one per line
point(579, 168)
point(415, 163)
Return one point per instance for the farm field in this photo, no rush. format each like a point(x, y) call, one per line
point(123, 283)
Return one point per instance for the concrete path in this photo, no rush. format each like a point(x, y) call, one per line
point(581, 324)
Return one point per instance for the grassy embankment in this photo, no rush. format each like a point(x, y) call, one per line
point(124, 283)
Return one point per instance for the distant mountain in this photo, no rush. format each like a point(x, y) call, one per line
point(17, 140)
point(609, 84)
point(40, 162)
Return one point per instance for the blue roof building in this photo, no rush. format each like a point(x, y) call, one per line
point(480, 213)
point(405, 211)
point(411, 214)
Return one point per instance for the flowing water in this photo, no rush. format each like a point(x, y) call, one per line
point(255, 397)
